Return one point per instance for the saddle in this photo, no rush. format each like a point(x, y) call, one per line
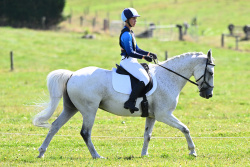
point(134, 81)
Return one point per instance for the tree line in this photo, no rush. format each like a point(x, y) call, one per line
point(31, 13)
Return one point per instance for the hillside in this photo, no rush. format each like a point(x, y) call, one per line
point(213, 16)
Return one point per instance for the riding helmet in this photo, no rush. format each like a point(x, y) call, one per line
point(129, 13)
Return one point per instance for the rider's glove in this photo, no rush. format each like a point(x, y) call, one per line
point(154, 56)
point(147, 58)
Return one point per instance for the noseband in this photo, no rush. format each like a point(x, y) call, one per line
point(203, 76)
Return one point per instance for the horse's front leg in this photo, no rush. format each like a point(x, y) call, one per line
point(171, 120)
point(147, 134)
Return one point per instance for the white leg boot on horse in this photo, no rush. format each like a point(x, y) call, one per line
point(130, 104)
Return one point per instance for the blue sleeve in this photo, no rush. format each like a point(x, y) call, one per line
point(126, 42)
point(143, 52)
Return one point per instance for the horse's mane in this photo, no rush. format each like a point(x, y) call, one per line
point(183, 55)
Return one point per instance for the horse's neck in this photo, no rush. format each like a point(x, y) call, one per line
point(183, 65)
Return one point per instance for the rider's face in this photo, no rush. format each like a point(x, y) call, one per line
point(132, 21)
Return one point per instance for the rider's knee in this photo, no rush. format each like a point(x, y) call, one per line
point(145, 79)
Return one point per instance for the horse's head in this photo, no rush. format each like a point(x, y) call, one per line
point(205, 77)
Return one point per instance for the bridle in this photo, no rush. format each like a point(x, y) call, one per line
point(204, 80)
point(203, 76)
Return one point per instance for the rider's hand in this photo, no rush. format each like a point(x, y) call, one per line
point(154, 56)
point(147, 58)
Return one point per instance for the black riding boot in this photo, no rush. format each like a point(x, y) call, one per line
point(130, 104)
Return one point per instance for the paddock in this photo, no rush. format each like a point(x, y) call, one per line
point(219, 126)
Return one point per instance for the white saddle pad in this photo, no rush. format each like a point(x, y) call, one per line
point(122, 83)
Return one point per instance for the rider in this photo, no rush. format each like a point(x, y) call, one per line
point(130, 52)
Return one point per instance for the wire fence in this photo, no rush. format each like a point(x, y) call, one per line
point(143, 28)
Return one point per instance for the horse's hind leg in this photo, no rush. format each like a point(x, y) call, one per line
point(171, 120)
point(147, 135)
point(66, 114)
point(89, 113)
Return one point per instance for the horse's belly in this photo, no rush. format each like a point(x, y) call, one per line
point(115, 106)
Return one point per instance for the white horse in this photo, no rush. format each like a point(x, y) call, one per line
point(90, 88)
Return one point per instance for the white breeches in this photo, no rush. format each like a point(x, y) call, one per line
point(135, 68)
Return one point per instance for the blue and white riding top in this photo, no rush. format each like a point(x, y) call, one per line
point(129, 47)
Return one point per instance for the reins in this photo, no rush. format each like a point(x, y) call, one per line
point(176, 73)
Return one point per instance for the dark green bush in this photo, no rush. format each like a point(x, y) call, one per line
point(29, 13)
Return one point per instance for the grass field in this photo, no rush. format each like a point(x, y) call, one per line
point(220, 126)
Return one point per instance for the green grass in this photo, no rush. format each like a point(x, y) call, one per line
point(36, 53)
point(225, 115)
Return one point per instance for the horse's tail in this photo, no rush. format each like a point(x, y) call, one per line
point(56, 83)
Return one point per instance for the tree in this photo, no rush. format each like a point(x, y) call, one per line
point(30, 13)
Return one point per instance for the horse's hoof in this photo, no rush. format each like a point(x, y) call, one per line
point(99, 157)
point(40, 156)
point(102, 157)
point(41, 153)
point(145, 156)
point(193, 153)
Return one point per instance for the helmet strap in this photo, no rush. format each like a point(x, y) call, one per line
point(128, 23)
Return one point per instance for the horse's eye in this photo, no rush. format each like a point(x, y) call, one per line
point(211, 73)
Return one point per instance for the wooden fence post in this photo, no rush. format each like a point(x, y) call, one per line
point(180, 32)
point(94, 22)
point(69, 19)
point(43, 22)
point(166, 55)
point(81, 20)
point(105, 24)
point(11, 61)
point(222, 40)
point(231, 29)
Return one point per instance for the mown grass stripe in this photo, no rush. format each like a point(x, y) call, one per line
point(30, 134)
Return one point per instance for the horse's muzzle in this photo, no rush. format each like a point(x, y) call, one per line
point(208, 93)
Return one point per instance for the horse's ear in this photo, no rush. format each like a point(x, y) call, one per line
point(209, 55)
